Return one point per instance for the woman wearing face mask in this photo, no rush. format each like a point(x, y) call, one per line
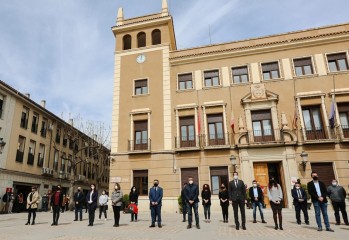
point(206, 202)
point(116, 199)
point(275, 197)
point(103, 204)
point(91, 199)
point(134, 200)
point(224, 201)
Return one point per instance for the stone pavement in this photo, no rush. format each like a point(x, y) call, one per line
point(12, 227)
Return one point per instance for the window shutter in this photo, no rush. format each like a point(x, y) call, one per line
point(219, 171)
point(186, 121)
point(214, 118)
point(210, 74)
point(140, 125)
point(337, 56)
point(261, 115)
point(141, 83)
point(239, 71)
point(274, 66)
point(302, 62)
point(140, 173)
point(185, 77)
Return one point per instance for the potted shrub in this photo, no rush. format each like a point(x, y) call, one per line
point(180, 204)
point(125, 203)
point(248, 198)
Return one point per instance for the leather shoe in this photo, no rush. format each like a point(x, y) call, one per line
point(307, 223)
point(75, 220)
point(27, 223)
point(338, 223)
point(197, 226)
point(189, 226)
point(151, 226)
point(319, 229)
point(184, 220)
point(264, 221)
point(243, 227)
point(299, 223)
point(237, 227)
point(254, 221)
point(160, 226)
point(329, 230)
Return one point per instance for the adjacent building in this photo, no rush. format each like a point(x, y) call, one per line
point(274, 106)
point(40, 149)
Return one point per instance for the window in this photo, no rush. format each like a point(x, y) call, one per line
point(262, 126)
point(65, 140)
point(1, 104)
point(127, 40)
point(70, 157)
point(140, 180)
point(270, 70)
point(141, 135)
point(24, 118)
point(185, 81)
point(31, 152)
point(219, 175)
point(337, 62)
point(41, 155)
point(35, 122)
point(313, 122)
point(343, 110)
point(240, 74)
point(58, 135)
point(325, 171)
point(71, 143)
point(303, 66)
point(20, 149)
point(63, 162)
point(141, 39)
point(215, 129)
point(141, 87)
point(187, 131)
point(156, 37)
point(43, 127)
point(55, 161)
point(189, 172)
point(211, 78)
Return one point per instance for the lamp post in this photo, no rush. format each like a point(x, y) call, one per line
point(304, 156)
point(232, 159)
point(2, 144)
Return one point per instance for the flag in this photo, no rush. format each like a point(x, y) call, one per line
point(295, 118)
point(331, 118)
point(232, 121)
point(199, 121)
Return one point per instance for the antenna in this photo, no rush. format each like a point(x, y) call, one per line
point(209, 33)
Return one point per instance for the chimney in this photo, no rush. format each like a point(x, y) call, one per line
point(27, 95)
point(43, 103)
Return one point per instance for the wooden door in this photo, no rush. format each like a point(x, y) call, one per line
point(283, 184)
point(262, 177)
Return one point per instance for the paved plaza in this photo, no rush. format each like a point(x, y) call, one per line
point(12, 227)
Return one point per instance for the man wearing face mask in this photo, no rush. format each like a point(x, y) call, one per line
point(56, 203)
point(191, 193)
point(237, 195)
point(155, 198)
point(256, 196)
point(78, 199)
point(300, 203)
point(337, 194)
point(318, 193)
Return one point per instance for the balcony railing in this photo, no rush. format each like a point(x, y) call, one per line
point(190, 142)
point(345, 131)
point(212, 140)
point(139, 145)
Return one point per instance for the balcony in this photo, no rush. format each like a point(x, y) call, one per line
point(143, 145)
point(193, 143)
point(216, 141)
point(320, 135)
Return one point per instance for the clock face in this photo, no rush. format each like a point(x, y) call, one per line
point(140, 58)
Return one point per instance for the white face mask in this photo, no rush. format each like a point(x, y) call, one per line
point(334, 184)
point(191, 182)
point(297, 188)
point(134, 189)
point(254, 185)
point(116, 188)
point(236, 177)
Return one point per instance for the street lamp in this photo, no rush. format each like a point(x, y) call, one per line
point(2, 144)
point(232, 159)
point(304, 156)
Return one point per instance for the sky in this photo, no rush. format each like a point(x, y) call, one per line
point(62, 51)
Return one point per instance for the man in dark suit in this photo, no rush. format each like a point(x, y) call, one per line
point(237, 194)
point(155, 198)
point(300, 203)
point(191, 193)
point(78, 200)
point(318, 193)
point(256, 196)
point(91, 200)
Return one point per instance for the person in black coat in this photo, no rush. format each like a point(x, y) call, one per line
point(56, 203)
point(206, 202)
point(91, 200)
point(184, 204)
point(224, 201)
point(191, 193)
point(300, 202)
point(78, 200)
point(257, 198)
point(133, 197)
point(318, 193)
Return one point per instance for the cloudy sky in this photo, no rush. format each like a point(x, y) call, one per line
point(62, 50)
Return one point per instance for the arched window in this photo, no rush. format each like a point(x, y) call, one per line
point(141, 39)
point(156, 37)
point(127, 42)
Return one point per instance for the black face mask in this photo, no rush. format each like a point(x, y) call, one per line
point(315, 178)
point(222, 187)
point(156, 184)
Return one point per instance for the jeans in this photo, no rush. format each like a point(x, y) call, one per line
point(340, 206)
point(321, 207)
point(78, 209)
point(190, 208)
point(207, 211)
point(260, 207)
point(155, 211)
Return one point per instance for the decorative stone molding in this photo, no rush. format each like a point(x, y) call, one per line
point(258, 91)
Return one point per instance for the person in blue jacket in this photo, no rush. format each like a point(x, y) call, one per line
point(155, 198)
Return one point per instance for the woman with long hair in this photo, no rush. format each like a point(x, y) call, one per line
point(224, 201)
point(116, 199)
point(206, 201)
point(134, 200)
point(275, 198)
point(91, 199)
